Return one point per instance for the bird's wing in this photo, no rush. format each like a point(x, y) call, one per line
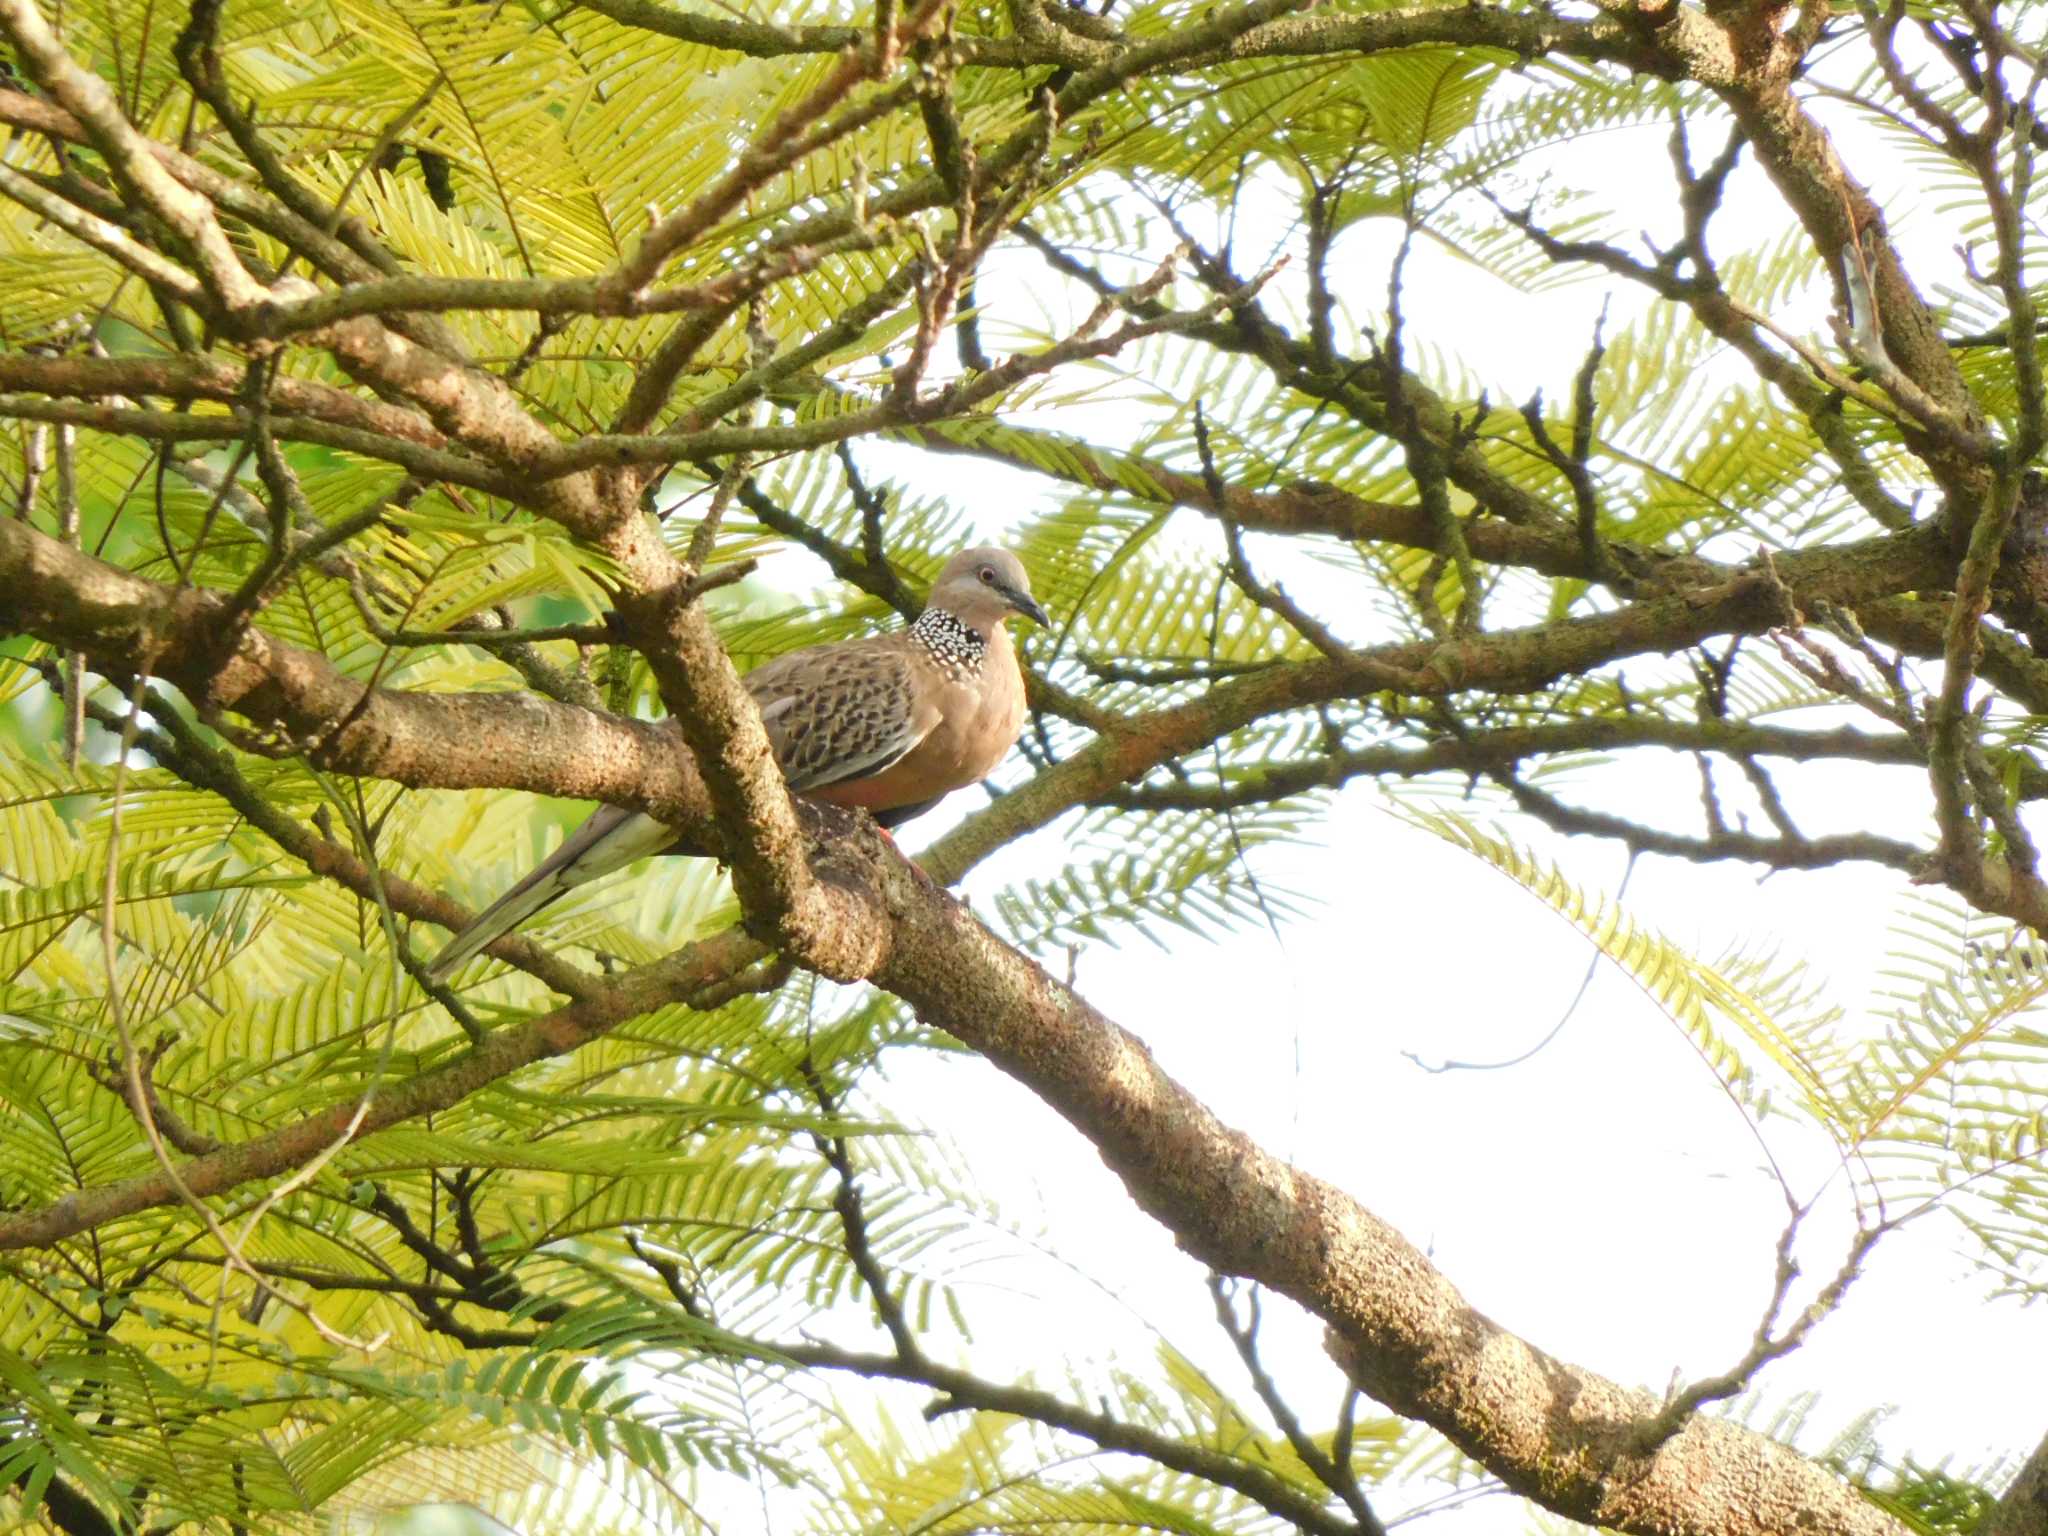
point(611, 838)
point(837, 713)
point(834, 713)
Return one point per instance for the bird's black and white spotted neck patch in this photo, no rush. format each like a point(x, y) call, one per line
point(956, 647)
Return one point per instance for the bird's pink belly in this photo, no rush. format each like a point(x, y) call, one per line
point(948, 759)
point(878, 794)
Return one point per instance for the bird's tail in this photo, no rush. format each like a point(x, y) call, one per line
point(500, 918)
point(611, 839)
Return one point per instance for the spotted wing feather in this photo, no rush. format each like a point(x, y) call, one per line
point(834, 713)
point(839, 713)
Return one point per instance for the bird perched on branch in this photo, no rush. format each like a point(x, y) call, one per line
point(890, 723)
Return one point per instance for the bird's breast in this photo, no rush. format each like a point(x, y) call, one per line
point(979, 726)
point(979, 717)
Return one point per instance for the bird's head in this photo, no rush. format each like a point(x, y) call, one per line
point(983, 587)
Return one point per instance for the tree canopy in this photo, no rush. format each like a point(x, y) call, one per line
point(400, 397)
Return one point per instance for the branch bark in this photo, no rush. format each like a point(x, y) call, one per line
point(125, 623)
point(2023, 1509)
point(692, 975)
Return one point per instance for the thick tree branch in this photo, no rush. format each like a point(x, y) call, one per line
point(125, 623)
point(1505, 660)
point(179, 748)
point(192, 376)
point(119, 621)
point(2022, 1510)
point(233, 427)
point(847, 905)
point(1244, 1212)
point(1478, 751)
point(1553, 1430)
point(1061, 44)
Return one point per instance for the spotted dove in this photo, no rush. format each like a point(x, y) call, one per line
point(892, 723)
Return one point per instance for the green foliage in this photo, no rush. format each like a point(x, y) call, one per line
point(591, 1295)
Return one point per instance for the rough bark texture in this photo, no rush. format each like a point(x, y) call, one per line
point(452, 741)
point(2023, 1510)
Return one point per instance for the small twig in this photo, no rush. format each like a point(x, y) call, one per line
point(1323, 212)
point(34, 461)
point(847, 563)
point(228, 480)
point(1575, 463)
point(967, 330)
point(723, 576)
point(1776, 852)
point(1766, 1346)
point(1949, 721)
point(1710, 796)
point(471, 631)
point(450, 1000)
point(1861, 335)
point(1767, 795)
point(671, 1273)
point(1571, 1008)
point(152, 1108)
point(704, 537)
point(873, 512)
point(1700, 193)
point(1425, 458)
point(68, 531)
point(546, 330)
point(286, 508)
point(1333, 1472)
point(853, 1222)
point(1273, 599)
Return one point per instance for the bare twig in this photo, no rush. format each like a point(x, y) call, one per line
point(68, 531)
point(854, 1226)
point(1272, 598)
point(1575, 463)
point(1768, 1345)
point(1428, 465)
point(1333, 1472)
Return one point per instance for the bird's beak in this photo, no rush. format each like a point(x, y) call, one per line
point(1027, 605)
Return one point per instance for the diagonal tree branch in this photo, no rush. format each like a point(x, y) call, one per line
point(702, 975)
point(2023, 1508)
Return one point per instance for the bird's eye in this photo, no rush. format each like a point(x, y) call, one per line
point(987, 573)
